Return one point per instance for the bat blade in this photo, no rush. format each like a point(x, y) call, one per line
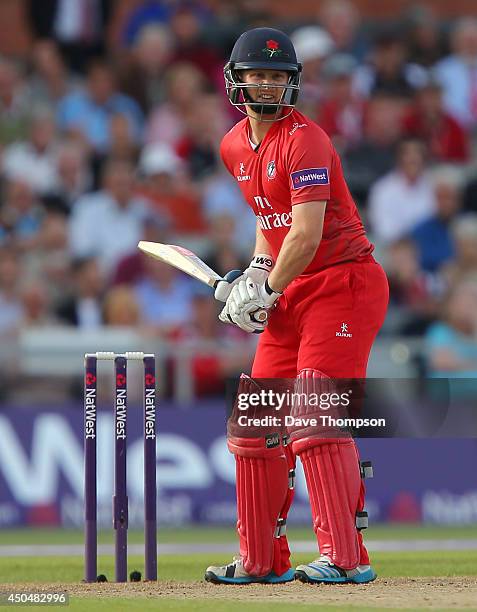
point(188, 262)
point(182, 259)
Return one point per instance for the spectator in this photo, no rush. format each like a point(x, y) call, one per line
point(402, 198)
point(167, 188)
point(11, 308)
point(123, 144)
point(470, 196)
point(190, 45)
point(142, 71)
point(458, 73)
point(20, 215)
point(33, 160)
point(35, 304)
point(87, 113)
point(200, 147)
point(183, 82)
point(340, 19)
point(130, 268)
point(427, 120)
point(388, 70)
point(451, 343)
point(108, 223)
point(165, 298)
point(49, 262)
point(374, 156)
point(221, 254)
point(433, 237)
point(341, 112)
point(78, 27)
point(413, 293)
point(15, 104)
point(51, 79)
point(83, 307)
point(147, 13)
point(424, 40)
point(211, 368)
point(73, 177)
point(464, 265)
point(221, 196)
point(121, 308)
point(312, 45)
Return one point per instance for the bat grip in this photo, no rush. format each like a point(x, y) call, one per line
point(260, 315)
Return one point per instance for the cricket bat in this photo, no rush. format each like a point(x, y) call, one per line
point(188, 262)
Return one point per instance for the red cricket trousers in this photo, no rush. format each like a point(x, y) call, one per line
point(326, 321)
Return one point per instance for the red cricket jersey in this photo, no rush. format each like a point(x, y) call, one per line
point(296, 163)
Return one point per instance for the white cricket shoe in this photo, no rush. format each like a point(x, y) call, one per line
point(324, 570)
point(234, 573)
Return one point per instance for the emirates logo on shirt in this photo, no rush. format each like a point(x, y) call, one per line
point(267, 219)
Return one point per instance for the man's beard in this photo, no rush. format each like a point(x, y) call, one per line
point(261, 109)
point(267, 109)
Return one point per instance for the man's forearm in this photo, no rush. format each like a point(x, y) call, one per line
point(295, 255)
point(261, 243)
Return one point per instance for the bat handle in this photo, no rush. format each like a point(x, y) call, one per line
point(259, 316)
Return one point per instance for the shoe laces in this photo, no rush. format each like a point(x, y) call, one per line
point(323, 560)
point(235, 561)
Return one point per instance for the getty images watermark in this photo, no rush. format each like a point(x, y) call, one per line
point(301, 410)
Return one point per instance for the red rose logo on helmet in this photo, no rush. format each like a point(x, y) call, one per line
point(272, 48)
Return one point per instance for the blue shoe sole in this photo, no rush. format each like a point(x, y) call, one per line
point(363, 578)
point(271, 578)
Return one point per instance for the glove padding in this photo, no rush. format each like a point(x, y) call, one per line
point(246, 320)
point(245, 299)
point(259, 269)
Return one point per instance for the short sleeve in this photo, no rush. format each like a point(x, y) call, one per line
point(309, 162)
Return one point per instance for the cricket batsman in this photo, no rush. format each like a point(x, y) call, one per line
point(326, 298)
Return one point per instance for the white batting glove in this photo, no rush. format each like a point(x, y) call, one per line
point(259, 269)
point(246, 298)
point(248, 320)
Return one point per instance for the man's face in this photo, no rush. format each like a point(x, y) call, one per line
point(271, 82)
point(100, 84)
point(270, 85)
point(411, 160)
point(119, 181)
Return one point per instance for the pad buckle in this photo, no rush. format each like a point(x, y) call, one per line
point(291, 479)
point(362, 520)
point(281, 528)
point(366, 469)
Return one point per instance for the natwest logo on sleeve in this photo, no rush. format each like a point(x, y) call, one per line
point(309, 176)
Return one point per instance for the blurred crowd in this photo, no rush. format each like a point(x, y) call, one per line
point(101, 147)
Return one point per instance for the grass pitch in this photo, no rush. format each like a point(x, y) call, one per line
point(407, 580)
